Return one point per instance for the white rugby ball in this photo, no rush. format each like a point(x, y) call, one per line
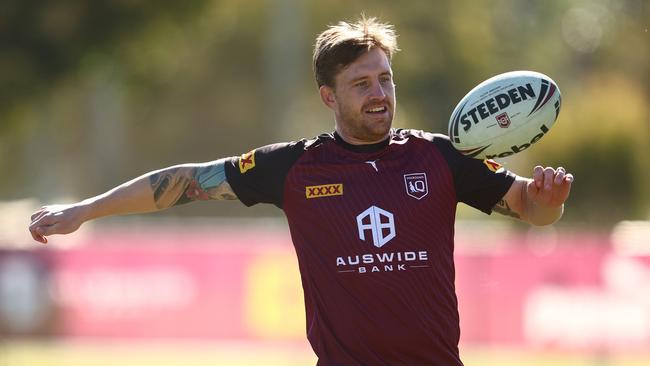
point(505, 115)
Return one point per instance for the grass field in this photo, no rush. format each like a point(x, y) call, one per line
point(103, 353)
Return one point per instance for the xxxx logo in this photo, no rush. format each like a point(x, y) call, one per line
point(325, 190)
point(247, 161)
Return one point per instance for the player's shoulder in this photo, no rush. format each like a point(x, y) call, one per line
point(439, 140)
point(295, 147)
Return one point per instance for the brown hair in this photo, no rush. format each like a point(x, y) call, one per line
point(340, 45)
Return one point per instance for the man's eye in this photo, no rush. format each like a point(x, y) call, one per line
point(362, 84)
point(384, 80)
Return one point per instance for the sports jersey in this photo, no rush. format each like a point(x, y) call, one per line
point(373, 230)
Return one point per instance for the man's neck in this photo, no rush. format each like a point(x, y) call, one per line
point(356, 141)
point(365, 147)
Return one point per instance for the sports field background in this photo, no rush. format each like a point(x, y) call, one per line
point(209, 292)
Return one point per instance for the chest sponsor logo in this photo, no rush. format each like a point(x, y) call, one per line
point(325, 190)
point(380, 224)
point(247, 162)
point(416, 185)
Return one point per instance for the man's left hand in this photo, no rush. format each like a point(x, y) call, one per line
point(549, 187)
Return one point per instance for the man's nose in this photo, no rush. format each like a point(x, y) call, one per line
point(377, 91)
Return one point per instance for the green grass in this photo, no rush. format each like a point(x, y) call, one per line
point(104, 353)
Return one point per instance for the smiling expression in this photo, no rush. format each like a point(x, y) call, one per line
point(363, 99)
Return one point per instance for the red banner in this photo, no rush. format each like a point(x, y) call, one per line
point(577, 293)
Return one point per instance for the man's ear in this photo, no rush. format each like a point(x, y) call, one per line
point(327, 96)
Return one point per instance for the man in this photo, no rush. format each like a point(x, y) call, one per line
point(371, 209)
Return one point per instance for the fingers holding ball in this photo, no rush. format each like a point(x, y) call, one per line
point(546, 177)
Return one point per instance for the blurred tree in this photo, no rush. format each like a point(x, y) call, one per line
point(194, 81)
point(44, 41)
point(603, 128)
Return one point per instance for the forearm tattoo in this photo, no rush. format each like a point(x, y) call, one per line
point(188, 183)
point(503, 208)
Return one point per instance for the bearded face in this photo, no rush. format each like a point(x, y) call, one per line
point(363, 99)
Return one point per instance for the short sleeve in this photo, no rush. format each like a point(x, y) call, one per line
point(479, 183)
point(258, 176)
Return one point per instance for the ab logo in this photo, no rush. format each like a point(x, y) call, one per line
point(379, 222)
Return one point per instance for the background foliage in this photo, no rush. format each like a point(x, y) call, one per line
point(95, 93)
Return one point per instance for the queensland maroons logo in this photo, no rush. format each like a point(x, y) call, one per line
point(503, 120)
point(416, 185)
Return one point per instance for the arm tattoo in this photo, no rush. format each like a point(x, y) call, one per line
point(503, 208)
point(191, 182)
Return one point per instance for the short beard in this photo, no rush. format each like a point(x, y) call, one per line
point(363, 133)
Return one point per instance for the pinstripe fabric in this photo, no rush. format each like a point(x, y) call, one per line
point(387, 304)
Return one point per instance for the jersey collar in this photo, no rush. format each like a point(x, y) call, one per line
point(369, 148)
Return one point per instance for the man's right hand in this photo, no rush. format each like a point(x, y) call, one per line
point(56, 219)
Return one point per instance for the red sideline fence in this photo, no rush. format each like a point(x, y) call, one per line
point(578, 294)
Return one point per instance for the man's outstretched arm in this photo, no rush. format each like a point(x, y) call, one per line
point(150, 192)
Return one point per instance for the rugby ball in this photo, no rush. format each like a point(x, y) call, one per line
point(505, 115)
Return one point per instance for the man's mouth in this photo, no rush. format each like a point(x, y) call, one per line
point(377, 110)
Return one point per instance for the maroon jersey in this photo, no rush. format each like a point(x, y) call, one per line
point(373, 229)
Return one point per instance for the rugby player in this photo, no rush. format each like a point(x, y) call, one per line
point(370, 209)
